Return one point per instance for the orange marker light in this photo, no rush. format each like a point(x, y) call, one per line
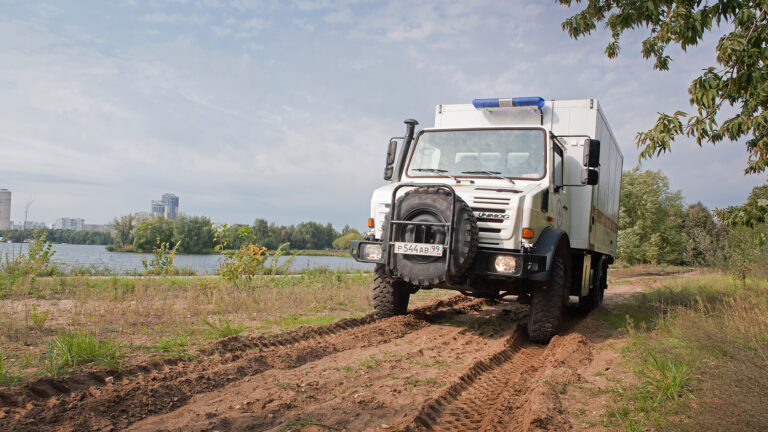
point(370, 223)
point(527, 233)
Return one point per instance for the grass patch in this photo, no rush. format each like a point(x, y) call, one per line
point(175, 348)
point(224, 328)
point(82, 347)
point(700, 359)
point(369, 363)
point(6, 376)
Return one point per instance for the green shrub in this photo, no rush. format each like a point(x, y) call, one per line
point(162, 260)
point(224, 328)
point(37, 261)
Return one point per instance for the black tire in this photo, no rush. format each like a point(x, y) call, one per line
point(390, 297)
point(594, 297)
point(547, 304)
point(433, 204)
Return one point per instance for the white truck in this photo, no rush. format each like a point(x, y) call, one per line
point(504, 196)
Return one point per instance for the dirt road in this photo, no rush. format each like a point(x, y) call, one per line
point(457, 364)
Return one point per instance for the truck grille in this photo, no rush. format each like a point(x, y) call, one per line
point(491, 200)
point(493, 221)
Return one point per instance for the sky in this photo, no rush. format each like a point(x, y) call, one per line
point(283, 109)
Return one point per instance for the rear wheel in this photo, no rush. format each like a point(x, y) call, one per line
point(594, 297)
point(390, 297)
point(547, 303)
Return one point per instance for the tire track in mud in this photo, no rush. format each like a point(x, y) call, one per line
point(161, 388)
point(514, 389)
point(473, 402)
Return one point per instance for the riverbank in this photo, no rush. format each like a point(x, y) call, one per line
point(95, 260)
point(302, 252)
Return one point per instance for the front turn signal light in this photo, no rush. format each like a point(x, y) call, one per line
point(370, 223)
point(528, 233)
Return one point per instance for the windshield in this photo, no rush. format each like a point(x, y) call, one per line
point(513, 153)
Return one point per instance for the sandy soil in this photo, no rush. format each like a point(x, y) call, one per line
point(458, 364)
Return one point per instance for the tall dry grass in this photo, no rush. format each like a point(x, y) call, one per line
point(706, 338)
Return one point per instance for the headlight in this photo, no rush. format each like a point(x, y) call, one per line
point(506, 263)
point(371, 251)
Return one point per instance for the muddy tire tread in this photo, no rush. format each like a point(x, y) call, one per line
point(547, 304)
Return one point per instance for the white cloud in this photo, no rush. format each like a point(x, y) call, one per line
point(282, 110)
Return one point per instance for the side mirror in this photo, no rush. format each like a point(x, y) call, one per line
point(589, 177)
point(391, 151)
point(591, 153)
point(388, 171)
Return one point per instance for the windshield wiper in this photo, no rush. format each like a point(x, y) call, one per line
point(493, 174)
point(437, 171)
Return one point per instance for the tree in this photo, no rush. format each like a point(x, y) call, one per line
point(123, 229)
point(739, 80)
point(701, 237)
point(650, 219)
point(149, 234)
point(193, 233)
point(344, 240)
point(751, 213)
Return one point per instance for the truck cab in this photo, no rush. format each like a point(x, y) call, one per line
point(515, 196)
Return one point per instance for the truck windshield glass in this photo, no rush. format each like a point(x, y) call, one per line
point(512, 153)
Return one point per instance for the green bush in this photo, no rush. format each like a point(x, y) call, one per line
point(37, 261)
point(162, 260)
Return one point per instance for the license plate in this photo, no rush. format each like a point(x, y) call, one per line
point(418, 248)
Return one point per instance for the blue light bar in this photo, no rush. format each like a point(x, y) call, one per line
point(530, 101)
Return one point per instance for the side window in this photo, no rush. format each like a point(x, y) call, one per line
point(558, 168)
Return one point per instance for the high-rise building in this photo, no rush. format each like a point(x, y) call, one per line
point(74, 224)
point(157, 208)
point(167, 207)
point(171, 202)
point(5, 209)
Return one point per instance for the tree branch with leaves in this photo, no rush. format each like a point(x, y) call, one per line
point(739, 81)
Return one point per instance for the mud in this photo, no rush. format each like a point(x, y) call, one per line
point(458, 364)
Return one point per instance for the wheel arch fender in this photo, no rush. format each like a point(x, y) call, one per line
point(551, 241)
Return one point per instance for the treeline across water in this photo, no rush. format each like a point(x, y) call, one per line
point(197, 234)
point(60, 236)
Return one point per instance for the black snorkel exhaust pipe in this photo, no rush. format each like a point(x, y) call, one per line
point(410, 128)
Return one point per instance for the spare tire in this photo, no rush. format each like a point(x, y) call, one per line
point(433, 204)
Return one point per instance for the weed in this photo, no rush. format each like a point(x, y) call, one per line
point(162, 260)
point(369, 362)
point(6, 376)
point(175, 348)
point(288, 386)
point(346, 370)
point(668, 381)
point(38, 318)
point(224, 328)
point(82, 347)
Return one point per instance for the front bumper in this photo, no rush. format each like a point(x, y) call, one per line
point(529, 264)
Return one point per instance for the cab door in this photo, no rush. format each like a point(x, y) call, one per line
point(560, 199)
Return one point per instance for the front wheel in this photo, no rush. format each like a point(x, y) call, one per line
point(390, 297)
point(547, 303)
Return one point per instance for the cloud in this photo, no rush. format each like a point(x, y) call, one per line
point(282, 110)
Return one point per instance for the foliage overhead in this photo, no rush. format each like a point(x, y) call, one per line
point(740, 79)
point(751, 213)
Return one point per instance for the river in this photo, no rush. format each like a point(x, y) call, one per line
point(69, 256)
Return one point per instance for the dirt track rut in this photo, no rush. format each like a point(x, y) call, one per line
point(457, 364)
